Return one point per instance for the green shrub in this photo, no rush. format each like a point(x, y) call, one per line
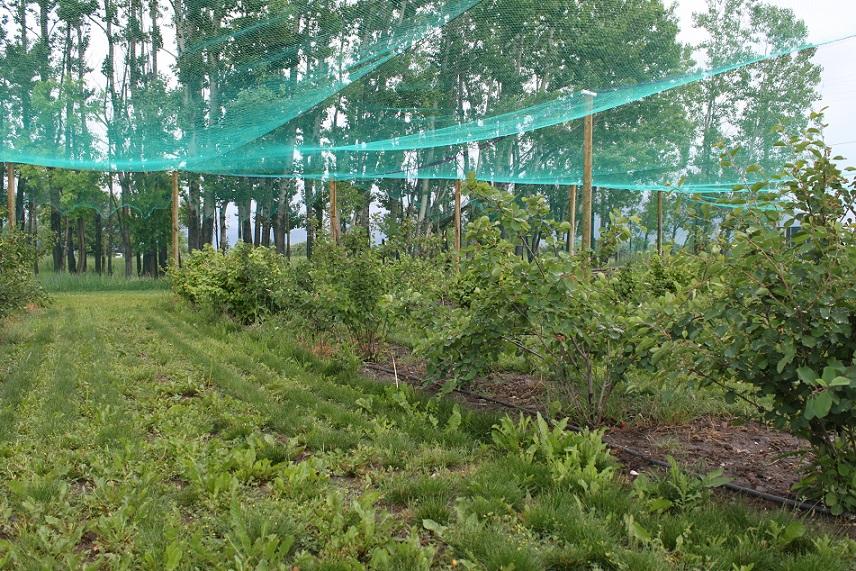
point(246, 283)
point(781, 315)
point(345, 286)
point(676, 490)
point(343, 289)
point(519, 292)
point(18, 285)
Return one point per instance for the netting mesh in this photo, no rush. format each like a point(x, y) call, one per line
point(410, 90)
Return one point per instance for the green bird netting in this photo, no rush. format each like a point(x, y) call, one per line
point(399, 92)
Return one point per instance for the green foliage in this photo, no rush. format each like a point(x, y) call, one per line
point(346, 290)
point(246, 283)
point(676, 490)
point(18, 285)
point(519, 292)
point(140, 436)
point(579, 460)
point(345, 286)
point(616, 233)
point(780, 314)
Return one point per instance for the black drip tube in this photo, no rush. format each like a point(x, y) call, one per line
point(814, 507)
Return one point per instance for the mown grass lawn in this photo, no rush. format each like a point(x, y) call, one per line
point(134, 434)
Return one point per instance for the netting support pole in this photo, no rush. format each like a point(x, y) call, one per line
point(588, 127)
point(334, 213)
point(572, 216)
point(457, 223)
point(175, 250)
point(10, 194)
point(660, 222)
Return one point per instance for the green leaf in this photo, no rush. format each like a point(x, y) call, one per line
point(793, 531)
point(433, 526)
point(636, 531)
point(715, 479)
point(807, 375)
point(660, 505)
point(819, 405)
point(786, 359)
point(829, 373)
point(172, 556)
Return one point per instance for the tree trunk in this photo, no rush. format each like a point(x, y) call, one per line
point(257, 228)
point(308, 199)
point(81, 241)
point(246, 223)
point(99, 245)
point(163, 258)
point(109, 253)
point(34, 229)
point(193, 230)
point(288, 237)
point(224, 237)
point(268, 219)
point(124, 225)
point(59, 246)
point(319, 213)
point(69, 247)
point(208, 215)
point(149, 263)
point(423, 223)
point(278, 236)
point(19, 201)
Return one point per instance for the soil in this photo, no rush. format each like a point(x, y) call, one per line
point(751, 454)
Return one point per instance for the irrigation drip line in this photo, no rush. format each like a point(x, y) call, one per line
point(814, 507)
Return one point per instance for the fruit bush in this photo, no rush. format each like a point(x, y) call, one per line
point(344, 287)
point(344, 290)
point(18, 286)
point(541, 304)
point(780, 314)
point(246, 283)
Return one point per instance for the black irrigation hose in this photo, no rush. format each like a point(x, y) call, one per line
point(814, 507)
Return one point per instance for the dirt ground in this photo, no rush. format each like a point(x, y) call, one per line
point(751, 454)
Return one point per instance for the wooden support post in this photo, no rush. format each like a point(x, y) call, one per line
point(588, 125)
point(10, 194)
point(175, 249)
point(660, 222)
point(334, 213)
point(457, 222)
point(572, 216)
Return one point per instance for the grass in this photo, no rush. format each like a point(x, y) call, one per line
point(54, 282)
point(133, 433)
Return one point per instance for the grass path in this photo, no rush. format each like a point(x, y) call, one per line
point(134, 434)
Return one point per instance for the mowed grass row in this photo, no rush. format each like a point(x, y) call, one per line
point(135, 434)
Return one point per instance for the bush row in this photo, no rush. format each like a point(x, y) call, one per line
point(769, 320)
